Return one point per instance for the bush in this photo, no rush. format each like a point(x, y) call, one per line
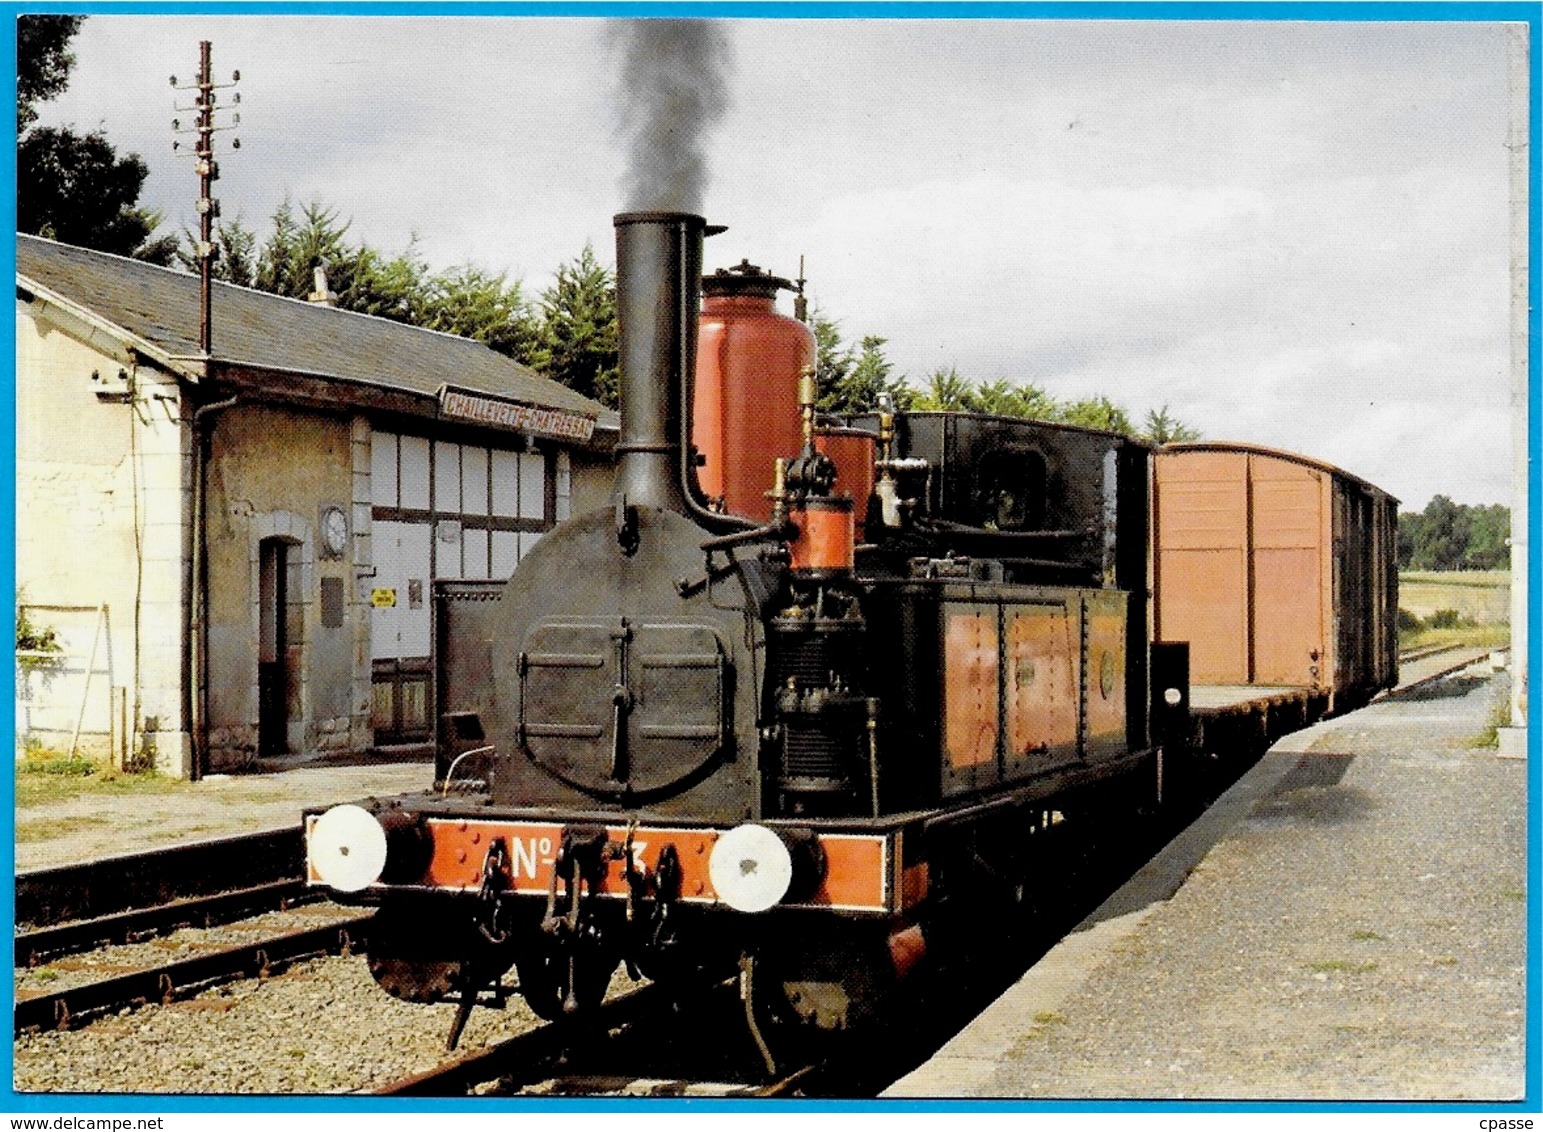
point(66, 766)
point(1447, 619)
point(1409, 622)
point(37, 646)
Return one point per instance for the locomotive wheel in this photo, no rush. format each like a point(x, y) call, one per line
point(544, 982)
point(422, 964)
point(824, 987)
point(414, 980)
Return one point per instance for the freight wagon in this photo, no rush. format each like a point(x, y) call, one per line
point(1281, 574)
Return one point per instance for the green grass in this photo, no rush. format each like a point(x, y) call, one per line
point(46, 829)
point(1361, 935)
point(1454, 608)
point(1474, 579)
point(1499, 716)
point(44, 776)
point(1486, 635)
point(1341, 967)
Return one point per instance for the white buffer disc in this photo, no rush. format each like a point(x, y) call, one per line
point(347, 848)
point(750, 868)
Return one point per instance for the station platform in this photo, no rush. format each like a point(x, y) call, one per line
point(1347, 923)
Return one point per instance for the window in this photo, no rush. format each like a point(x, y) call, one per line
point(563, 481)
point(487, 505)
point(474, 481)
point(505, 554)
point(532, 485)
point(383, 469)
point(1010, 490)
point(474, 553)
point(413, 473)
point(447, 478)
point(444, 509)
point(506, 483)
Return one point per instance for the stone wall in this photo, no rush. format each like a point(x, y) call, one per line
point(102, 530)
point(271, 470)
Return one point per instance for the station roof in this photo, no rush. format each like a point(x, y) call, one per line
point(155, 312)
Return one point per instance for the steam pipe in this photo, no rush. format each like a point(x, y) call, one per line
point(658, 300)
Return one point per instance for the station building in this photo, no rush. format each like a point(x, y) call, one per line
point(236, 551)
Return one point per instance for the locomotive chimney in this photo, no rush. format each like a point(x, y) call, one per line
point(658, 296)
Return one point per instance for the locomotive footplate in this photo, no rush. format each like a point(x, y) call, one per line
point(750, 867)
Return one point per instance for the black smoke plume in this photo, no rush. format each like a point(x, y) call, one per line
point(672, 89)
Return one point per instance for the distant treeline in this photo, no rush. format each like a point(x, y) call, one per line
point(1454, 536)
point(569, 332)
point(77, 188)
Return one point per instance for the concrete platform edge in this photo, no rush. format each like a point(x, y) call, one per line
point(965, 1065)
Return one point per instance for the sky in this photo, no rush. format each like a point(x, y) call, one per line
point(1291, 234)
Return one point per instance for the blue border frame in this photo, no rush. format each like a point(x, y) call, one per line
point(1395, 11)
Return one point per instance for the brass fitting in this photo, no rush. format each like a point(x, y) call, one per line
point(779, 491)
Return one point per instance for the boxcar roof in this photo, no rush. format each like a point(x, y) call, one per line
point(158, 308)
point(1275, 453)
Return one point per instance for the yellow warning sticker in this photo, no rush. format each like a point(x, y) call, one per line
point(383, 598)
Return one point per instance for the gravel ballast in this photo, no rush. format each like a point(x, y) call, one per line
point(323, 1026)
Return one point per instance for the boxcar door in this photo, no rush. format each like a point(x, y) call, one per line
point(1291, 534)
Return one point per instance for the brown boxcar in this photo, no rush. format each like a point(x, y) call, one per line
point(1279, 570)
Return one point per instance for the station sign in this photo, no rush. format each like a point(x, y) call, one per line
point(468, 406)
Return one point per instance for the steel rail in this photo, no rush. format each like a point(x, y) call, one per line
point(141, 880)
point(38, 944)
point(536, 1058)
point(1427, 650)
point(60, 1009)
point(541, 1046)
point(1408, 687)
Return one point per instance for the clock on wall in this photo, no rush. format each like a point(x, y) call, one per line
point(334, 530)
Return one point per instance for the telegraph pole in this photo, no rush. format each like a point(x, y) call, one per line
point(208, 172)
point(196, 625)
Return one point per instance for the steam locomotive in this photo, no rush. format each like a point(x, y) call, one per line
point(792, 707)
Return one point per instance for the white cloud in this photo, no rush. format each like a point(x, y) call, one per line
point(1290, 233)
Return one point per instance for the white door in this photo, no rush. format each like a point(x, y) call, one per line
point(400, 594)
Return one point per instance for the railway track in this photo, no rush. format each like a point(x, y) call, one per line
point(543, 1061)
point(1428, 650)
point(127, 899)
point(639, 1043)
point(36, 945)
point(165, 982)
point(157, 877)
point(644, 1044)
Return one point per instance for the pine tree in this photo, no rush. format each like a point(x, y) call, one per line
point(1162, 427)
point(577, 342)
point(475, 304)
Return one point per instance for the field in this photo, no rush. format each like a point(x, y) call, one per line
point(1483, 596)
